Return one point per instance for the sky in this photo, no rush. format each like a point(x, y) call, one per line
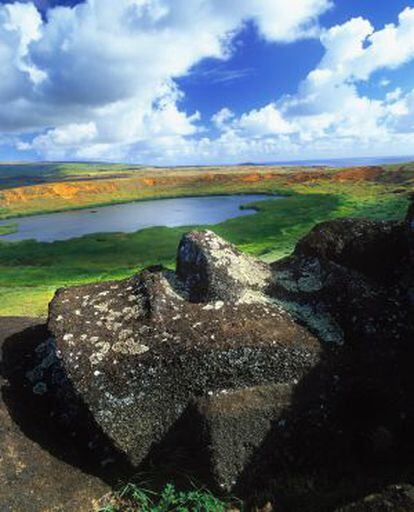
point(169, 82)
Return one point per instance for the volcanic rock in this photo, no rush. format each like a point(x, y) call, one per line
point(250, 354)
point(138, 351)
point(395, 498)
point(212, 269)
point(409, 223)
point(235, 424)
point(344, 281)
point(372, 248)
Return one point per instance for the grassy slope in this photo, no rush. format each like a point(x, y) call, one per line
point(8, 229)
point(31, 271)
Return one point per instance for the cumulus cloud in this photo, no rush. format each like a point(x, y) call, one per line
point(98, 81)
point(112, 66)
point(328, 113)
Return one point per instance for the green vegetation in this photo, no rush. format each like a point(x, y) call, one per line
point(23, 173)
point(137, 499)
point(30, 271)
point(8, 229)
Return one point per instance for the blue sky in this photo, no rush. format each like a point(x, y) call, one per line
point(206, 81)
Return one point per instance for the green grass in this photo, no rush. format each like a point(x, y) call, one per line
point(137, 499)
point(31, 271)
point(24, 173)
point(8, 229)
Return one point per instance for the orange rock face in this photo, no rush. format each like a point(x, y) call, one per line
point(62, 190)
point(252, 178)
point(150, 182)
point(358, 174)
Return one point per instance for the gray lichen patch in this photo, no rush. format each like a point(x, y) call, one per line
point(129, 347)
point(212, 269)
point(320, 322)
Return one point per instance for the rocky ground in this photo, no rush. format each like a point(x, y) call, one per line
point(293, 379)
point(36, 472)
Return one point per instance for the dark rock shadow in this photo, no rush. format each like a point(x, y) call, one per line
point(348, 432)
point(57, 419)
point(179, 457)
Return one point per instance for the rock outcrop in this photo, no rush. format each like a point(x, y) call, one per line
point(138, 351)
point(256, 363)
point(344, 281)
point(395, 498)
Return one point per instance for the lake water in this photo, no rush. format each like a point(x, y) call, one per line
point(130, 217)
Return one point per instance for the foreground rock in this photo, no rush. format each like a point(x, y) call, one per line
point(344, 281)
point(235, 424)
point(255, 364)
point(396, 498)
point(138, 351)
point(212, 269)
point(409, 224)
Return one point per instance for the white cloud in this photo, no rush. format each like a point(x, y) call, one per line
point(265, 121)
point(54, 143)
point(24, 21)
point(113, 64)
point(221, 118)
point(328, 115)
point(98, 82)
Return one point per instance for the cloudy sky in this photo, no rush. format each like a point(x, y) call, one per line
point(206, 81)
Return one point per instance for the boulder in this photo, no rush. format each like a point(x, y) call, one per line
point(372, 248)
point(243, 355)
point(409, 224)
point(395, 498)
point(344, 281)
point(139, 351)
point(235, 425)
point(338, 303)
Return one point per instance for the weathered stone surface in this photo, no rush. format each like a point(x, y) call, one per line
point(337, 303)
point(344, 281)
point(235, 424)
point(395, 498)
point(373, 248)
point(138, 351)
point(211, 268)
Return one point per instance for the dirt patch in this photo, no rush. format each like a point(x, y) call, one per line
point(32, 479)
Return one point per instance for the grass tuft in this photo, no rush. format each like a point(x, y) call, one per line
point(133, 498)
